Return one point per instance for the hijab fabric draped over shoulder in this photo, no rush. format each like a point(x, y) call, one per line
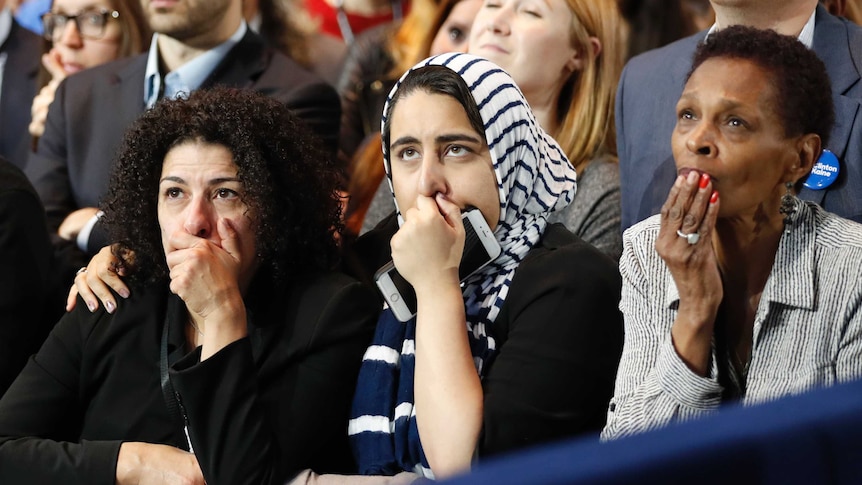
point(534, 178)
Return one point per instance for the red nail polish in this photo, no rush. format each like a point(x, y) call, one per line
point(704, 180)
point(714, 198)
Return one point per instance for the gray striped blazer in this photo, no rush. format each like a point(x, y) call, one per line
point(807, 329)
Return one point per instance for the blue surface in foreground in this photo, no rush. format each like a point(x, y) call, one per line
point(811, 438)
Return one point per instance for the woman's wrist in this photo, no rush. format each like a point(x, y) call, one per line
point(128, 463)
point(434, 282)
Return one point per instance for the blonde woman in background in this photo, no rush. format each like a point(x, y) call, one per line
point(566, 56)
point(81, 34)
point(570, 87)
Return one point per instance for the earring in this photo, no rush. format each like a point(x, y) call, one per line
point(788, 206)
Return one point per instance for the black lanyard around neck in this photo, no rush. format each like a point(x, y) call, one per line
point(172, 398)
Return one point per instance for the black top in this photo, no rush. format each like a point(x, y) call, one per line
point(259, 410)
point(28, 303)
point(559, 335)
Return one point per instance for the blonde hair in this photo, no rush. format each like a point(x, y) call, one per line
point(586, 103)
point(136, 33)
point(853, 11)
point(407, 43)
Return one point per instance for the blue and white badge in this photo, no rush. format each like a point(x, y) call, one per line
point(824, 173)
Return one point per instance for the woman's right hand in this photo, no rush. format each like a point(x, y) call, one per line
point(692, 208)
point(146, 463)
point(39, 108)
point(427, 248)
point(102, 274)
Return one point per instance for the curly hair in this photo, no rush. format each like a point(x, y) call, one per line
point(288, 181)
point(802, 91)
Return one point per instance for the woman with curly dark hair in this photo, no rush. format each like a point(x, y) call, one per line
point(237, 343)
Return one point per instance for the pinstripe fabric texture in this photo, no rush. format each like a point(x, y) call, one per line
point(807, 328)
point(533, 178)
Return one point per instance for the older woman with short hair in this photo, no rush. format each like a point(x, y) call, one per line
point(739, 291)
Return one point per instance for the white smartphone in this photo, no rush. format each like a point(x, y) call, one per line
point(480, 248)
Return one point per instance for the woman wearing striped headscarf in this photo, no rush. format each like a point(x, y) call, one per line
point(526, 350)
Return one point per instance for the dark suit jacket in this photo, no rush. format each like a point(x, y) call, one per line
point(645, 118)
point(259, 410)
point(27, 310)
point(93, 109)
point(23, 54)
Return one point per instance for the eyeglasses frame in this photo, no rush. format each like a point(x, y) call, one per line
point(107, 14)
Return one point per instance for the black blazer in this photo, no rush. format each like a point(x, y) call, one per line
point(27, 310)
point(258, 411)
point(92, 110)
point(23, 51)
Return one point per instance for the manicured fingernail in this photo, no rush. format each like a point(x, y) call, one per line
point(91, 306)
point(110, 306)
point(124, 293)
point(679, 180)
point(714, 198)
point(692, 176)
point(704, 180)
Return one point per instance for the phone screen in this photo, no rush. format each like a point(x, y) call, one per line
point(473, 258)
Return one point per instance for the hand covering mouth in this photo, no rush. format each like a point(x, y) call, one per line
point(685, 171)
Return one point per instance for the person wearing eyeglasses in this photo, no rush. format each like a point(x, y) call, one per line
point(78, 35)
point(81, 34)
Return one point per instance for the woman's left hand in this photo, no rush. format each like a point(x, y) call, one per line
point(42, 101)
point(427, 248)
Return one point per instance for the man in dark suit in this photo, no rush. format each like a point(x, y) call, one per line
point(22, 50)
point(198, 44)
point(652, 83)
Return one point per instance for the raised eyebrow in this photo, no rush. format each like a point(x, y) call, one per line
point(404, 140)
point(171, 178)
point(221, 180)
point(215, 181)
point(458, 137)
point(725, 104)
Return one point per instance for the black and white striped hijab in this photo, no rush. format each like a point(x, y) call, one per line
point(533, 175)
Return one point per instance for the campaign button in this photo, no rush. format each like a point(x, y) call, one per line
point(824, 173)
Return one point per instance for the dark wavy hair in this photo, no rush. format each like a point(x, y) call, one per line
point(802, 91)
point(288, 181)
